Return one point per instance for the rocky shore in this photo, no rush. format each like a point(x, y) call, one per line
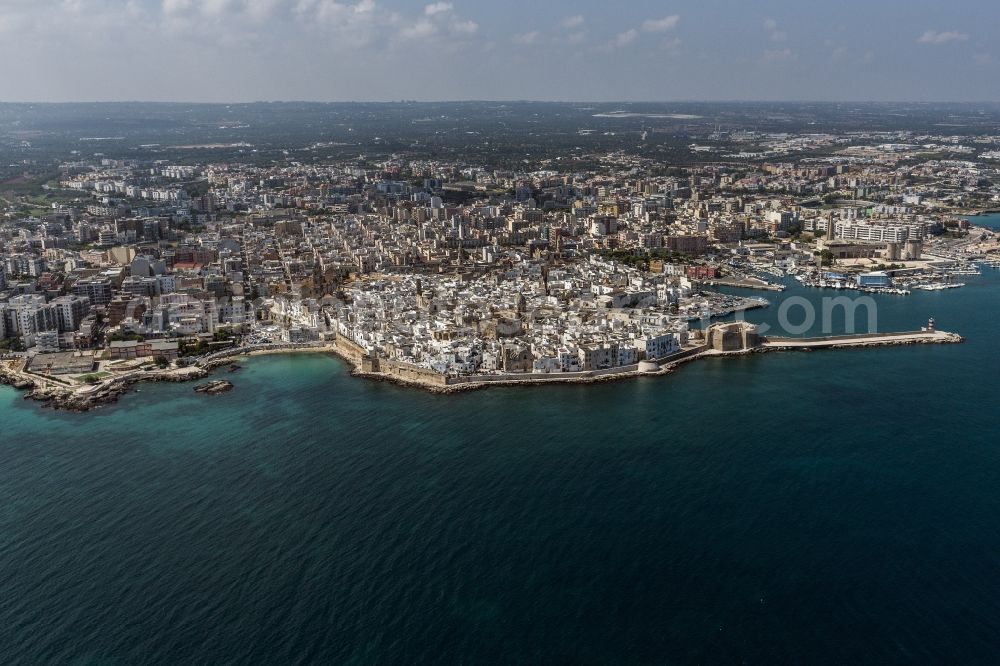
point(82, 399)
point(214, 388)
point(59, 394)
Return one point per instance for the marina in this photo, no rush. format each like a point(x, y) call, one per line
point(898, 283)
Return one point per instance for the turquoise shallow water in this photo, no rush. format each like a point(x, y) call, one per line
point(827, 507)
point(990, 221)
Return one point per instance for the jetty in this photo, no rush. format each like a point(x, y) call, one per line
point(863, 340)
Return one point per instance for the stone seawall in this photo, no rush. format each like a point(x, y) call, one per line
point(438, 383)
point(350, 349)
point(411, 373)
point(434, 382)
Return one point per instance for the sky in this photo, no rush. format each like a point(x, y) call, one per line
point(573, 50)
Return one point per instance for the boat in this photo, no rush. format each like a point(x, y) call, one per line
point(940, 286)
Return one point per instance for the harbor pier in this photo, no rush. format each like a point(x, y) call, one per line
point(862, 340)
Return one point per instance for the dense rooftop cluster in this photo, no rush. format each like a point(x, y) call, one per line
point(456, 267)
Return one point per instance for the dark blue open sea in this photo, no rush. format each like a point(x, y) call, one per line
point(829, 507)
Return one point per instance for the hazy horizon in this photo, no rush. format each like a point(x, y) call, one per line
point(237, 51)
point(502, 101)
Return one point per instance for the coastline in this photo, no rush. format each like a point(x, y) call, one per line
point(82, 399)
point(665, 367)
point(79, 399)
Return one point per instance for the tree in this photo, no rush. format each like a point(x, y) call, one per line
point(826, 257)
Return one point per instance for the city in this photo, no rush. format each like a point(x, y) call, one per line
point(381, 332)
point(435, 272)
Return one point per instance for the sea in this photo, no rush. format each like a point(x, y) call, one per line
point(831, 507)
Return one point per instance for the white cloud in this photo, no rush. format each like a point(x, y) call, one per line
point(438, 8)
point(223, 11)
point(419, 30)
point(623, 39)
point(176, 6)
point(571, 22)
point(329, 11)
point(351, 25)
point(661, 25)
point(291, 25)
point(935, 37)
point(260, 9)
point(438, 18)
point(463, 27)
point(365, 22)
point(215, 7)
point(526, 38)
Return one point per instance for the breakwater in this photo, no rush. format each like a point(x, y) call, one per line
point(863, 340)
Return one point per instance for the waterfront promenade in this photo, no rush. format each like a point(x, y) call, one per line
point(216, 358)
point(745, 284)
